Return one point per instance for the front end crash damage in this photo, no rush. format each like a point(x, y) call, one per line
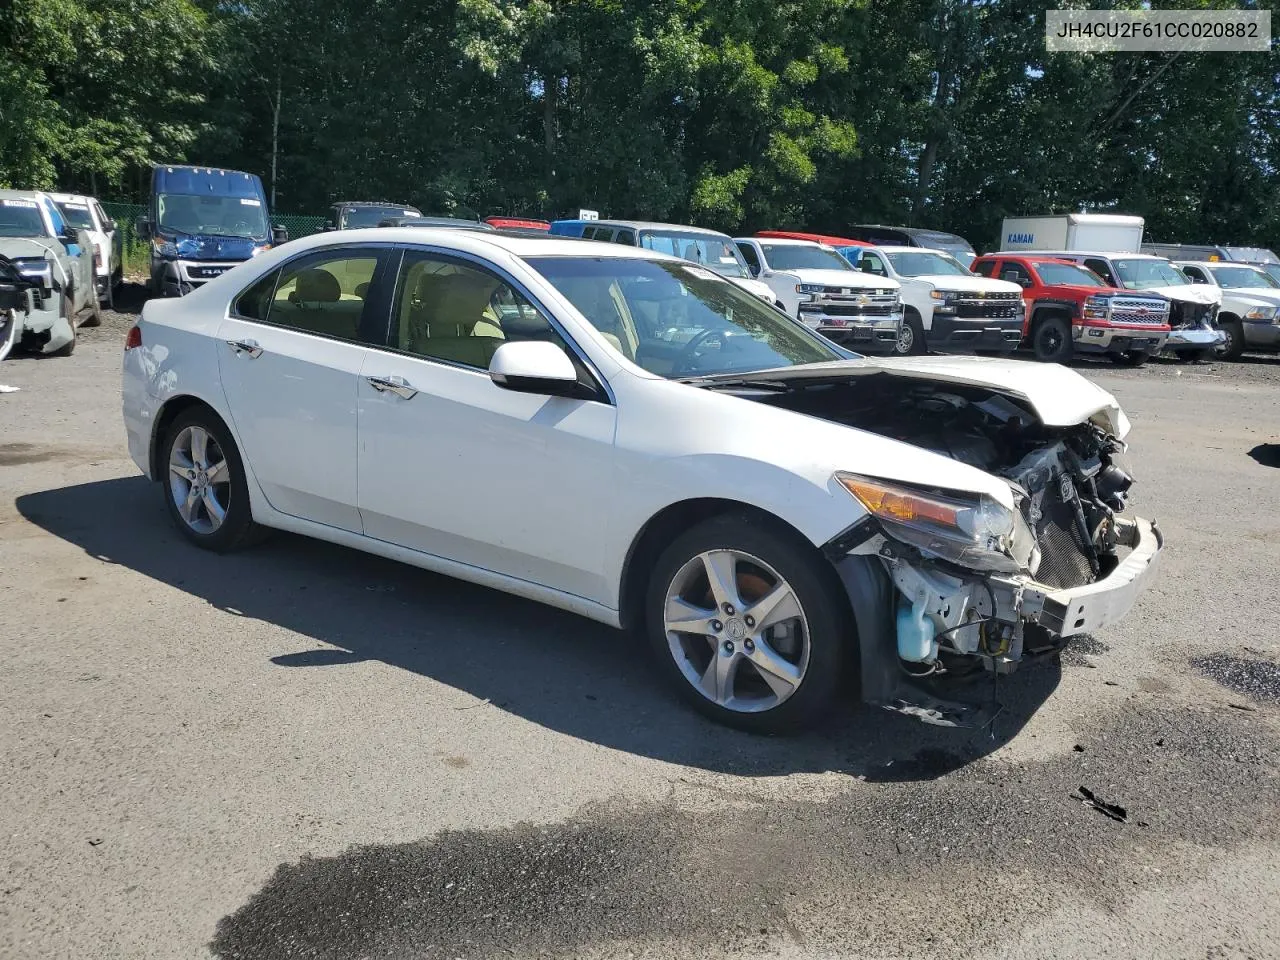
point(951, 585)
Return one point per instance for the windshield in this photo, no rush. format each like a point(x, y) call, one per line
point(793, 256)
point(1145, 274)
point(1272, 270)
point(926, 263)
point(1067, 274)
point(77, 214)
point(681, 321)
point(1257, 255)
point(21, 218)
point(222, 216)
point(716, 253)
point(1242, 277)
point(354, 217)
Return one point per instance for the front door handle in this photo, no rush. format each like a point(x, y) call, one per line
point(246, 346)
point(397, 385)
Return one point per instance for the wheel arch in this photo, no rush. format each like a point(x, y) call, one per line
point(173, 408)
point(1228, 317)
point(672, 520)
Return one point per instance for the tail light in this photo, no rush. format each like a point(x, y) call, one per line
point(97, 258)
point(133, 338)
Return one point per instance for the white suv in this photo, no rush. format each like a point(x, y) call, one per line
point(944, 305)
point(1250, 314)
point(813, 283)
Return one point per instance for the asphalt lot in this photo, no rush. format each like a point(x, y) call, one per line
point(302, 751)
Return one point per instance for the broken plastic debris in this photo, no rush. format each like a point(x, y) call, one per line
point(5, 388)
point(1112, 810)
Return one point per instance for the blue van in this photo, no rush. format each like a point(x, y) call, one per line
point(569, 228)
point(201, 222)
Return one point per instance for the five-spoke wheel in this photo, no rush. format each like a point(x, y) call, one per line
point(748, 621)
point(204, 482)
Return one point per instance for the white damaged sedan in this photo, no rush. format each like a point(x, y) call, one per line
point(630, 437)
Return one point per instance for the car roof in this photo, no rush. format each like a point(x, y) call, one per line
point(653, 225)
point(784, 242)
point(475, 241)
point(372, 203)
point(1031, 257)
point(70, 197)
point(23, 194)
point(886, 248)
point(1072, 254)
point(1215, 263)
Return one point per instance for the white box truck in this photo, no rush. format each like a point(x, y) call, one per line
point(1113, 233)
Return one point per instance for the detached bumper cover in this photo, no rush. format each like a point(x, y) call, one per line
point(1066, 613)
point(1194, 338)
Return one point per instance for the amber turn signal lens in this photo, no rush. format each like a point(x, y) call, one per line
point(896, 503)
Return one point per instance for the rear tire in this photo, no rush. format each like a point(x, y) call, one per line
point(221, 519)
point(1051, 340)
point(803, 640)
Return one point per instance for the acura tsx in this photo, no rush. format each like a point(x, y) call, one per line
point(630, 437)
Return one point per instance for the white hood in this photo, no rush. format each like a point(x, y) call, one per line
point(852, 279)
point(754, 287)
point(1200, 293)
point(1059, 396)
point(1254, 296)
point(953, 282)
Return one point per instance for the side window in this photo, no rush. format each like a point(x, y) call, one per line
point(453, 311)
point(871, 263)
point(1015, 273)
point(1195, 275)
point(986, 268)
point(627, 237)
point(324, 294)
point(1102, 269)
point(748, 252)
point(253, 303)
point(603, 234)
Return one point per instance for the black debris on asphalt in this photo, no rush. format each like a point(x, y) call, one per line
point(1077, 652)
point(1251, 676)
point(1112, 810)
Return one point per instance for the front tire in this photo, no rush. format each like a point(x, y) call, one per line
point(749, 623)
point(1051, 340)
point(204, 483)
point(1234, 345)
point(911, 338)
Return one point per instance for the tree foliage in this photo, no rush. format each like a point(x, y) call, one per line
point(729, 113)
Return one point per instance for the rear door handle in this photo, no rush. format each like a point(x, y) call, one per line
point(246, 346)
point(397, 385)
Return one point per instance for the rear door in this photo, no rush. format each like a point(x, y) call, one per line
point(290, 353)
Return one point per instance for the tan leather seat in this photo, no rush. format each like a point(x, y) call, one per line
point(315, 303)
point(448, 322)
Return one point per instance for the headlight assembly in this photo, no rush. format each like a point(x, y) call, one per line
point(165, 248)
point(970, 530)
point(810, 288)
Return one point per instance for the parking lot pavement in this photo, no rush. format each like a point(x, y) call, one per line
point(302, 751)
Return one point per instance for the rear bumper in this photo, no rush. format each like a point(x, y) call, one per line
point(961, 334)
point(1087, 339)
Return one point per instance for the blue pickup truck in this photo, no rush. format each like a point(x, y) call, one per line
point(201, 222)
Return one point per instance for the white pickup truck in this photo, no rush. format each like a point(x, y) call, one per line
point(813, 283)
point(86, 213)
point(1250, 314)
point(945, 306)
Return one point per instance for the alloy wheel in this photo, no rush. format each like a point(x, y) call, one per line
point(906, 338)
point(199, 479)
point(736, 630)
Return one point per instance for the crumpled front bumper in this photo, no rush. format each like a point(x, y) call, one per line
point(1065, 613)
point(1194, 338)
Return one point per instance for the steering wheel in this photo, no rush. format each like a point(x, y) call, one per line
point(689, 355)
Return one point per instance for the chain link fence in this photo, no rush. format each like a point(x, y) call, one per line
point(136, 259)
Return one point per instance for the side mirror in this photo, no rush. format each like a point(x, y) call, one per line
point(142, 226)
point(109, 226)
point(534, 366)
point(327, 226)
point(68, 235)
point(279, 234)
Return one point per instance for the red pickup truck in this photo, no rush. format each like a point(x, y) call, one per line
point(1071, 310)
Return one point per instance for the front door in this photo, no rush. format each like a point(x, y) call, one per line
point(453, 465)
point(290, 352)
